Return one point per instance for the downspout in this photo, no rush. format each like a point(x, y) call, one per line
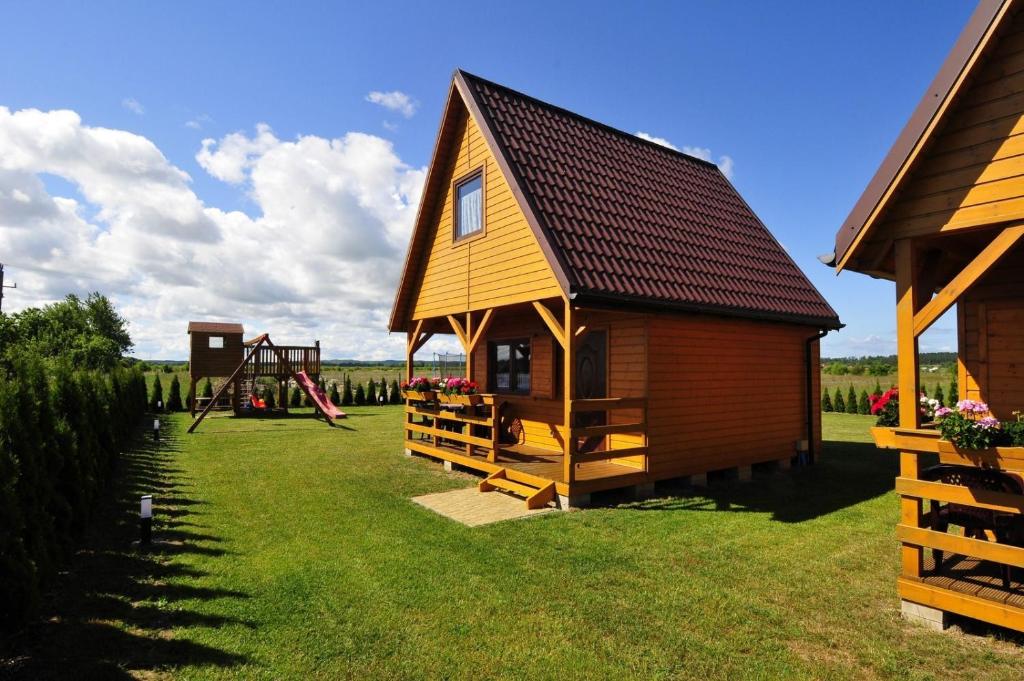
point(811, 402)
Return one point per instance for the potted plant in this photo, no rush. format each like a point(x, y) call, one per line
point(420, 389)
point(454, 390)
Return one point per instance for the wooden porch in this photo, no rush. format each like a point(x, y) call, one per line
point(470, 436)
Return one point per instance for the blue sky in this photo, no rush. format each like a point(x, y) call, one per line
point(805, 98)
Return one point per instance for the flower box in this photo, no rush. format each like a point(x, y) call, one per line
point(467, 400)
point(420, 395)
point(1007, 458)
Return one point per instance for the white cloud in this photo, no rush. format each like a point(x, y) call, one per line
point(657, 140)
point(198, 122)
point(724, 163)
point(320, 259)
point(396, 101)
point(133, 105)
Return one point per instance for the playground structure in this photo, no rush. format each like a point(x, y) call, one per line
point(448, 364)
point(218, 351)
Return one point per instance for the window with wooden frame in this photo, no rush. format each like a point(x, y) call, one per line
point(217, 342)
point(508, 363)
point(469, 205)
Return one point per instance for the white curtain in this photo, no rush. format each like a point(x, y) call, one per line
point(470, 208)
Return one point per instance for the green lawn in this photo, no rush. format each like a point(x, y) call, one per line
point(293, 551)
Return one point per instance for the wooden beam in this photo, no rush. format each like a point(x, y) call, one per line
point(967, 277)
point(557, 330)
point(962, 546)
point(976, 607)
point(481, 329)
point(460, 331)
point(907, 361)
point(411, 342)
point(568, 394)
point(1001, 502)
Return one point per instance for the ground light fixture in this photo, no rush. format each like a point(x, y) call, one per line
point(146, 520)
point(156, 430)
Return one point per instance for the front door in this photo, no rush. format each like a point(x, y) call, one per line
point(592, 383)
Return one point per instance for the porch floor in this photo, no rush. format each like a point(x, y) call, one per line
point(537, 466)
point(981, 579)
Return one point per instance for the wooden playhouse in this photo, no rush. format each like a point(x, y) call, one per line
point(627, 315)
point(944, 218)
point(218, 351)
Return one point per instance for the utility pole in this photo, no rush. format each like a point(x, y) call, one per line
point(3, 285)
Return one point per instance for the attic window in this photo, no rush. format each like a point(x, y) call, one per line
point(217, 342)
point(469, 206)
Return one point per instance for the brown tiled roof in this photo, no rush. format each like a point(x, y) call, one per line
point(214, 327)
point(632, 221)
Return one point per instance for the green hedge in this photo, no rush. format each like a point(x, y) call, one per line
point(60, 433)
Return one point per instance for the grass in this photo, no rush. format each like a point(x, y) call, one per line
point(293, 551)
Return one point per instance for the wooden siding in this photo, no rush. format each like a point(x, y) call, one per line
point(991, 319)
point(972, 172)
point(206, 361)
point(725, 393)
point(503, 266)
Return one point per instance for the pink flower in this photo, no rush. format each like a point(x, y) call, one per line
point(989, 422)
point(942, 412)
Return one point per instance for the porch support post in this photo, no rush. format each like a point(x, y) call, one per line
point(415, 340)
point(959, 284)
point(569, 390)
point(907, 360)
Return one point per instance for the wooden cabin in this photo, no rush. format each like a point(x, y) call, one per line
point(943, 217)
point(628, 317)
point(218, 351)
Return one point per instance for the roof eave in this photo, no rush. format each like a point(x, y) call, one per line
point(614, 300)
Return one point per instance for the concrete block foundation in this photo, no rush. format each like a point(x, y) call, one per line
point(936, 620)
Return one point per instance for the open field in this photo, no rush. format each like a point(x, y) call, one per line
point(292, 550)
point(928, 380)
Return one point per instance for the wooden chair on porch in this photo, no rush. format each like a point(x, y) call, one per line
point(977, 522)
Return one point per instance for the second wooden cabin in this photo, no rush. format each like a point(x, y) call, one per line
point(628, 316)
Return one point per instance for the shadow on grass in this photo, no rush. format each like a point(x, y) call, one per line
point(112, 615)
point(846, 474)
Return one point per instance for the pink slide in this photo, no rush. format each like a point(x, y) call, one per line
point(319, 397)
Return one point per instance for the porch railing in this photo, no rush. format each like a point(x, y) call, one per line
point(917, 535)
point(446, 426)
point(627, 425)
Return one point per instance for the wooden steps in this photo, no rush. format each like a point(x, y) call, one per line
point(535, 496)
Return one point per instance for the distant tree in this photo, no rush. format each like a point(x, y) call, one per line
point(168, 369)
point(87, 334)
point(839, 403)
point(878, 389)
point(924, 390)
point(395, 394)
point(851, 401)
point(864, 403)
point(334, 396)
point(269, 398)
point(296, 397)
point(826, 401)
point(382, 391)
point(940, 396)
point(347, 399)
point(954, 393)
point(323, 384)
point(156, 397)
point(174, 395)
point(360, 398)
point(207, 389)
point(371, 392)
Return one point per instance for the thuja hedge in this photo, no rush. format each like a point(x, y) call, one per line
point(60, 433)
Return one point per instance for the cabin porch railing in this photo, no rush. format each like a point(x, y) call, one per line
point(480, 423)
point(917, 536)
point(609, 405)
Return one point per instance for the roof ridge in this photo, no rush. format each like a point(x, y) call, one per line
point(586, 119)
